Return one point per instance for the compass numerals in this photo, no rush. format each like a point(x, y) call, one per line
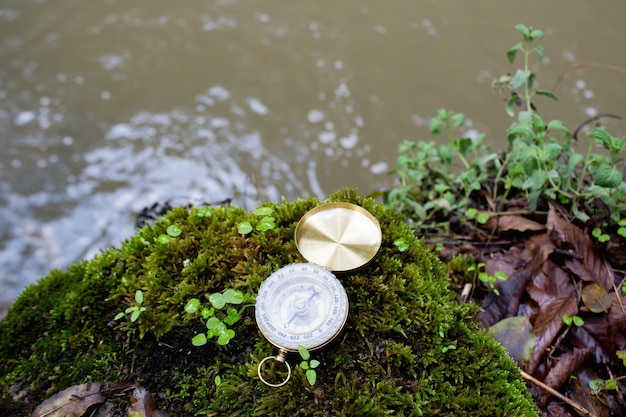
point(301, 304)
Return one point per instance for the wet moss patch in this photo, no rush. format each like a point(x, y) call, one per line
point(407, 348)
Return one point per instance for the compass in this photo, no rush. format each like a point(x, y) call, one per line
point(304, 304)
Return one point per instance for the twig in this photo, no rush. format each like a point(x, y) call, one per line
point(578, 408)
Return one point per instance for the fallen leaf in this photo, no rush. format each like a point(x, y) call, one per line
point(569, 237)
point(517, 337)
point(548, 322)
point(596, 298)
point(513, 223)
point(74, 401)
point(567, 364)
point(142, 404)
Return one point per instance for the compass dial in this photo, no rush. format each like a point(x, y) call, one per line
point(301, 305)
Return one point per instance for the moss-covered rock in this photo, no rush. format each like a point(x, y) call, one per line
point(407, 348)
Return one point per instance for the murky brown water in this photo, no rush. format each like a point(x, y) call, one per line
point(107, 106)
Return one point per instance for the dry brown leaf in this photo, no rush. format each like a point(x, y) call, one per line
point(582, 395)
point(142, 403)
point(566, 365)
point(513, 223)
point(74, 401)
point(596, 298)
point(569, 237)
point(548, 322)
point(585, 336)
point(517, 337)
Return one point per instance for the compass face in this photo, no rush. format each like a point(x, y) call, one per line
point(301, 305)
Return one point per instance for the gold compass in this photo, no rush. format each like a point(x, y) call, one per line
point(304, 304)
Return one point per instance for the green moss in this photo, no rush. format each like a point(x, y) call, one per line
point(407, 348)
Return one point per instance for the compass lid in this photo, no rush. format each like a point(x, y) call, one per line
point(338, 236)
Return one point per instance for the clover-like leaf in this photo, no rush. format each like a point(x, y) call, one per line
point(233, 296)
point(217, 299)
point(244, 228)
point(199, 340)
point(225, 337)
point(173, 230)
point(263, 211)
point(192, 306)
point(164, 239)
point(232, 316)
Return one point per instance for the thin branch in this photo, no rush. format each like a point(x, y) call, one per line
point(578, 408)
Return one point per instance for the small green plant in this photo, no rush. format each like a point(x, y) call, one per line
point(219, 316)
point(540, 164)
point(600, 235)
point(599, 385)
point(489, 280)
point(575, 320)
point(134, 311)
point(401, 244)
point(308, 364)
point(264, 224)
point(621, 230)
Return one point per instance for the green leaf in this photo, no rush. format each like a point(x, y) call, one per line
point(511, 53)
point(244, 228)
point(207, 312)
point(314, 363)
point(304, 353)
point(205, 212)
point(225, 337)
point(522, 28)
point(232, 316)
point(213, 323)
point(482, 218)
point(550, 152)
point(199, 340)
point(546, 93)
point(311, 376)
point(608, 177)
point(536, 180)
point(401, 244)
point(556, 125)
point(471, 212)
point(602, 137)
point(540, 51)
point(263, 211)
point(266, 224)
point(119, 316)
point(192, 306)
point(217, 300)
point(577, 321)
point(457, 119)
point(233, 296)
point(521, 77)
point(173, 230)
point(510, 106)
point(304, 365)
point(135, 316)
point(139, 297)
point(435, 126)
point(164, 239)
point(536, 34)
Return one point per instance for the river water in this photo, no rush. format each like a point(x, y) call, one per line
point(108, 106)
